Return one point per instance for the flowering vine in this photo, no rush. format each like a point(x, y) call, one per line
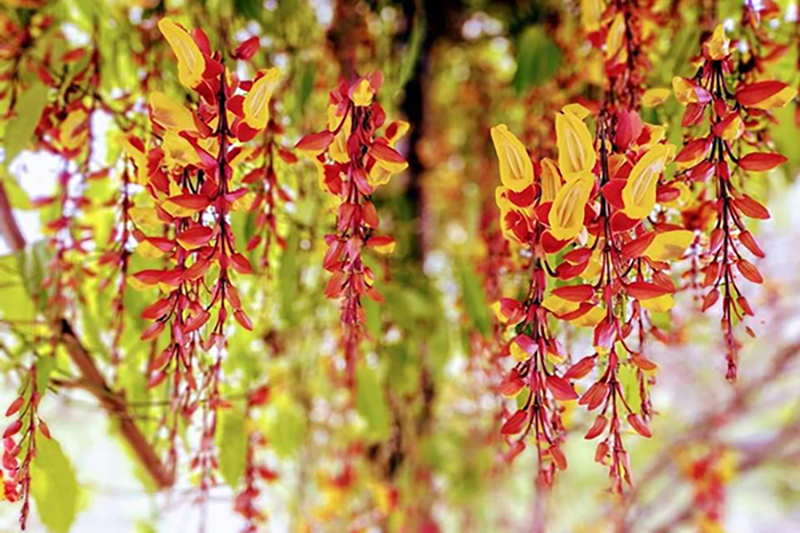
point(353, 161)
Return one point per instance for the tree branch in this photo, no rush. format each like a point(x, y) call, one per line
point(113, 402)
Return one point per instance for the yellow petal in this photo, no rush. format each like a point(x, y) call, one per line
point(575, 148)
point(615, 41)
point(256, 103)
point(567, 211)
point(400, 129)
point(684, 91)
point(718, 46)
point(147, 250)
point(71, 133)
point(591, 11)
point(178, 152)
point(559, 306)
point(778, 100)
point(338, 148)
point(654, 97)
point(639, 194)
point(590, 319)
point(576, 109)
point(516, 169)
point(363, 94)
point(669, 245)
point(169, 114)
point(551, 180)
point(191, 63)
point(659, 304)
point(144, 217)
point(518, 353)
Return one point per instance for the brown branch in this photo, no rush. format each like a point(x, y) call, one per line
point(113, 402)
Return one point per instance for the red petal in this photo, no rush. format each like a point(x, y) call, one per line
point(761, 161)
point(575, 293)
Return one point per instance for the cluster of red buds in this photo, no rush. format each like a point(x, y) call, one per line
point(255, 473)
point(354, 160)
point(726, 118)
point(19, 444)
point(268, 190)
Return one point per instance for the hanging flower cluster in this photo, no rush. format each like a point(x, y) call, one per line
point(590, 210)
point(19, 444)
point(728, 123)
point(599, 229)
point(353, 161)
point(190, 177)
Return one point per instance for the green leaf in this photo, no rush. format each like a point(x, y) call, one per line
point(474, 299)
point(287, 425)
point(306, 85)
point(371, 403)
point(287, 276)
point(20, 129)
point(54, 486)
point(232, 444)
point(538, 58)
point(44, 367)
point(630, 386)
point(249, 8)
point(17, 196)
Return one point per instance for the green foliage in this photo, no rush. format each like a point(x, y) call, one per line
point(538, 58)
point(232, 444)
point(20, 129)
point(371, 403)
point(54, 486)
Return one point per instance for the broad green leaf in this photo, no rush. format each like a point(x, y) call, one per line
point(287, 276)
point(371, 403)
point(17, 196)
point(20, 129)
point(287, 425)
point(44, 367)
point(474, 299)
point(53, 486)
point(538, 58)
point(249, 8)
point(232, 444)
point(630, 386)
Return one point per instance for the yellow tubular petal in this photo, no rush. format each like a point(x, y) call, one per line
point(178, 151)
point(654, 97)
point(591, 12)
point(191, 62)
point(615, 40)
point(516, 169)
point(256, 103)
point(551, 180)
point(171, 115)
point(718, 46)
point(639, 194)
point(363, 94)
point(575, 148)
point(778, 100)
point(566, 214)
point(669, 245)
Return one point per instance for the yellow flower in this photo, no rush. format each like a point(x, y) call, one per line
point(669, 245)
point(191, 62)
point(567, 211)
point(639, 194)
point(551, 180)
point(338, 148)
point(169, 114)
point(364, 93)
point(516, 169)
point(615, 41)
point(256, 103)
point(591, 11)
point(178, 152)
point(654, 97)
point(575, 148)
point(72, 133)
point(718, 46)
